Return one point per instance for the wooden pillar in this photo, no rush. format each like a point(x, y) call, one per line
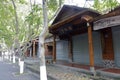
point(54, 48)
point(70, 46)
point(90, 42)
point(34, 49)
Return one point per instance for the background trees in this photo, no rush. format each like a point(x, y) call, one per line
point(105, 5)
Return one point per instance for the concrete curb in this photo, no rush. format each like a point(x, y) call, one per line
point(108, 74)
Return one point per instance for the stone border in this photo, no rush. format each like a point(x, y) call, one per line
point(108, 74)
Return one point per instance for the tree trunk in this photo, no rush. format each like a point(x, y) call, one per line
point(14, 58)
point(21, 60)
point(10, 54)
point(43, 72)
point(13, 54)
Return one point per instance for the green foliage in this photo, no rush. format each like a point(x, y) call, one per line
point(7, 22)
point(22, 2)
point(28, 28)
point(102, 5)
point(6, 16)
point(34, 20)
point(53, 4)
point(35, 16)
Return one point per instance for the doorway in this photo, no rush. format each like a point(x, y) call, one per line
point(107, 44)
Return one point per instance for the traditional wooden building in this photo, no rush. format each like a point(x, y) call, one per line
point(32, 51)
point(108, 25)
point(74, 27)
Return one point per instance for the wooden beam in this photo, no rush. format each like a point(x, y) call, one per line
point(70, 46)
point(115, 13)
point(66, 20)
point(54, 48)
point(107, 22)
point(90, 42)
point(34, 49)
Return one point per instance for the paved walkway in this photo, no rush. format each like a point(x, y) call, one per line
point(9, 71)
point(66, 74)
point(62, 73)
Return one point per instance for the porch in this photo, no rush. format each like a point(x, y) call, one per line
point(76, 65)
point(100, 71)
point(73, 71)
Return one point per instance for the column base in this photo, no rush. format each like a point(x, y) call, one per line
point(92, 70)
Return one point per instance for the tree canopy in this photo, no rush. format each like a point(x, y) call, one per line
point(105, 5)
point(30, 19)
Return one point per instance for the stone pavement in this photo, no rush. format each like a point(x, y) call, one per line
point(9, 71)
point(62, 73)
point(65, 74)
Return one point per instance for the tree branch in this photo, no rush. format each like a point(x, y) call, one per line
point(16, 17)
point(56, 13)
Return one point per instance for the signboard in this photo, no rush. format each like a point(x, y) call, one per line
point(107, 22)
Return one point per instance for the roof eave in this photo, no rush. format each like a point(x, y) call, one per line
point(57, 25)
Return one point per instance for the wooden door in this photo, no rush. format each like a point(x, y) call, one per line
point(107, 44)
